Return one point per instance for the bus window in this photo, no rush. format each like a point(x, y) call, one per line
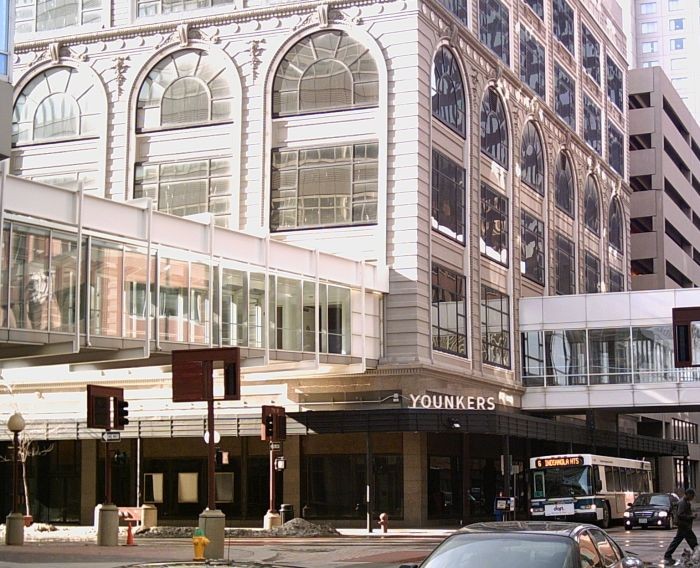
point(609, 481)
point(538, 485)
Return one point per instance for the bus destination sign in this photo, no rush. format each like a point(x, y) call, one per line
point(563, 461)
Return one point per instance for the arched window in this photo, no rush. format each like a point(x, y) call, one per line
point(615, 225)
point(564, 185)
point(591, 206)
point(494, 129)
point(325, 71)
point(532, 159)
point(187, 87)
point(58, 103)
point(448, 91)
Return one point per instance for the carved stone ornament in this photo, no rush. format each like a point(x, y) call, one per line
point(255, 53)
point(120, 67)
point(323, 16)
point(211, 36)
point(183, 34)
point(54, 52)
point(322, 13)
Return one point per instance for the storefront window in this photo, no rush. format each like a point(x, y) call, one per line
point(443, 495)
point(335, 486)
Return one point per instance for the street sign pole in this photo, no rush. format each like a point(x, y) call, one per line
point(211, 499)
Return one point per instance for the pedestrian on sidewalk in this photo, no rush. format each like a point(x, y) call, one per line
point(684, 522)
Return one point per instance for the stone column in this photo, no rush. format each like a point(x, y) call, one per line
point(415, 478)
point(88, 481)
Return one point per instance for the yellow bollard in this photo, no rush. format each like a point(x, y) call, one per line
point(199, 541)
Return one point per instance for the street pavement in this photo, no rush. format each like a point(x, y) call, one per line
point(354, 549)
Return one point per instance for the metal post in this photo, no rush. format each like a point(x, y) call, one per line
point(108, 475)
point(211, 500)
point(272, 481)
point(15, 474)
point(370, 475)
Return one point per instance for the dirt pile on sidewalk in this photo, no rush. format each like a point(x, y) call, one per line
point(293, 528)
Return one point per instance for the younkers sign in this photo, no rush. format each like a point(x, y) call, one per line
point(452, 402)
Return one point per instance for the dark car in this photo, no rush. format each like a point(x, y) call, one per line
point(529, 544)
point(652, 510)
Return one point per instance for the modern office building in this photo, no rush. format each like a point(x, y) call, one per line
point(665, 177)
point(368, 191)
point(665, 33)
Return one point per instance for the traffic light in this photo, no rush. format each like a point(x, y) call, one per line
point(219, 457)
point(121, 417)
point(269, 425)
point(274, 424)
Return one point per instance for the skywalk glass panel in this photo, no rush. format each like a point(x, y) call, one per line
point(609, 356)
point(494, 28)
point(4, 35)
point(565, 357)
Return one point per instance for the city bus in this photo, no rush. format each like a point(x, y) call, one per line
point(585, 487)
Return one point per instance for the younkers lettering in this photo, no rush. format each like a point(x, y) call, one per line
point(452, 402)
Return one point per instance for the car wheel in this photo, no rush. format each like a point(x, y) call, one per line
point(605, 521)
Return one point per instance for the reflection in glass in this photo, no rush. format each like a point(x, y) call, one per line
point(234, 307)
point(448, 193)
point(533, 359)
point(590, 53)
point(565, 96)
point(494, 129)
point(105, 288)
point(532, 63)
point(614, 83)
point(616, 150)
point(449, 309)
point(494, 29)
point(459, 8)
point(565, 353)
point(137, 295)
point(652, 353)
point(495, 327)
point(337, 309)
point(695, 342)
point(308, 317)
point(256, 310)
point(532, 248)
point(494, 225)
point(64, 275)
point(565, 266)
point(592, 274)
point(173, 296)
point(448, 91)
point(200, 306)
point(615, 225)
point(591, 125)
point(29, 284)
point(4, 277)
point(609, 355)
point(617, 281)
point(532, 158)
point(591, 206)
point(288, 310)
point(537, 7)
point(563, 23)
point(564, 185)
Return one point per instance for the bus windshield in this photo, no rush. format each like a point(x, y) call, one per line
point(554, 482)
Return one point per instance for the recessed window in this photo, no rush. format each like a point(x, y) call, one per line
point(647, 8)
point(532, 248)
point(185, 188)
point(653, 63)
point(532, 159)
point(615, 86)
point(615, 225)
point(449, 311)
point(616, 149)
point(532, 64)
point(448, 91)
point(592, 273)
point(495, 327)
point(563, 23)
point(616, 281)
point(494, 225)
point(675, 5)
point(591, 206)
point(649, 27)
point(326, 71)
point(591, 125)
point(565, 96)
point(4, 36)
point(676, 24)
point(565, 266)
point(564, 185)
point(494, 129)
point(679, 63)
point(537, 7)
point(43, 15)
point(650, 46)
point(677, 43)
point(459, 8)
point(494, 28)
point(590, 54)
point(324, 187)
point(448, 197)
point(155, 7)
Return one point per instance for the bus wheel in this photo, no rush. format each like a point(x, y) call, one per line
point(605, 521)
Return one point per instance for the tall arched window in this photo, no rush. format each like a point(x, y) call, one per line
point(58, 103)
point(448, 91)
point(564, 185)
point(325, 71)
point(532, 159)
point(187, 87)
point(591, 206)
point(494, 129)
point(615, 225)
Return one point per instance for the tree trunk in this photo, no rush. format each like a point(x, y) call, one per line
point(26, 488)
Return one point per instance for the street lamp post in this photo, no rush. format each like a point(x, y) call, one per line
point(14, 524)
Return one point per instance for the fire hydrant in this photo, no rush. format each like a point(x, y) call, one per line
point(383, 522)
point(199, 541)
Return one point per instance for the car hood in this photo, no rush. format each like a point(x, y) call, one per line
point(647, 508)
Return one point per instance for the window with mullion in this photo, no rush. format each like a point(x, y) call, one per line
point(494, 28)
point(459, 8)
point(592, 131)
point(449, 311)
point(47, 15)
point(591, 207)
point(448, 210)
point(616, 282)
point(564, 185)
point(615, 224)
point(565, 266)
point(154, 7)
point(494, 225)
point(494, 128)
point(537, 7)
point(590, 54)
point(532, 64)
point(324, 187)
point(532, 248)
point(565, 96)
point(615, 86)
point(448, 91)
point(532, 159)
point(616, 149)
point(563, 23)
point(495, 327)
point(592, 273)
point(4, 36)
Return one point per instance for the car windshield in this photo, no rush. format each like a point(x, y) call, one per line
point(555, 482)
point(495, 550)
point(645, 500)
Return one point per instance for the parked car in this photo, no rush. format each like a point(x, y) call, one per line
point(529, 544)
point(652, 510)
